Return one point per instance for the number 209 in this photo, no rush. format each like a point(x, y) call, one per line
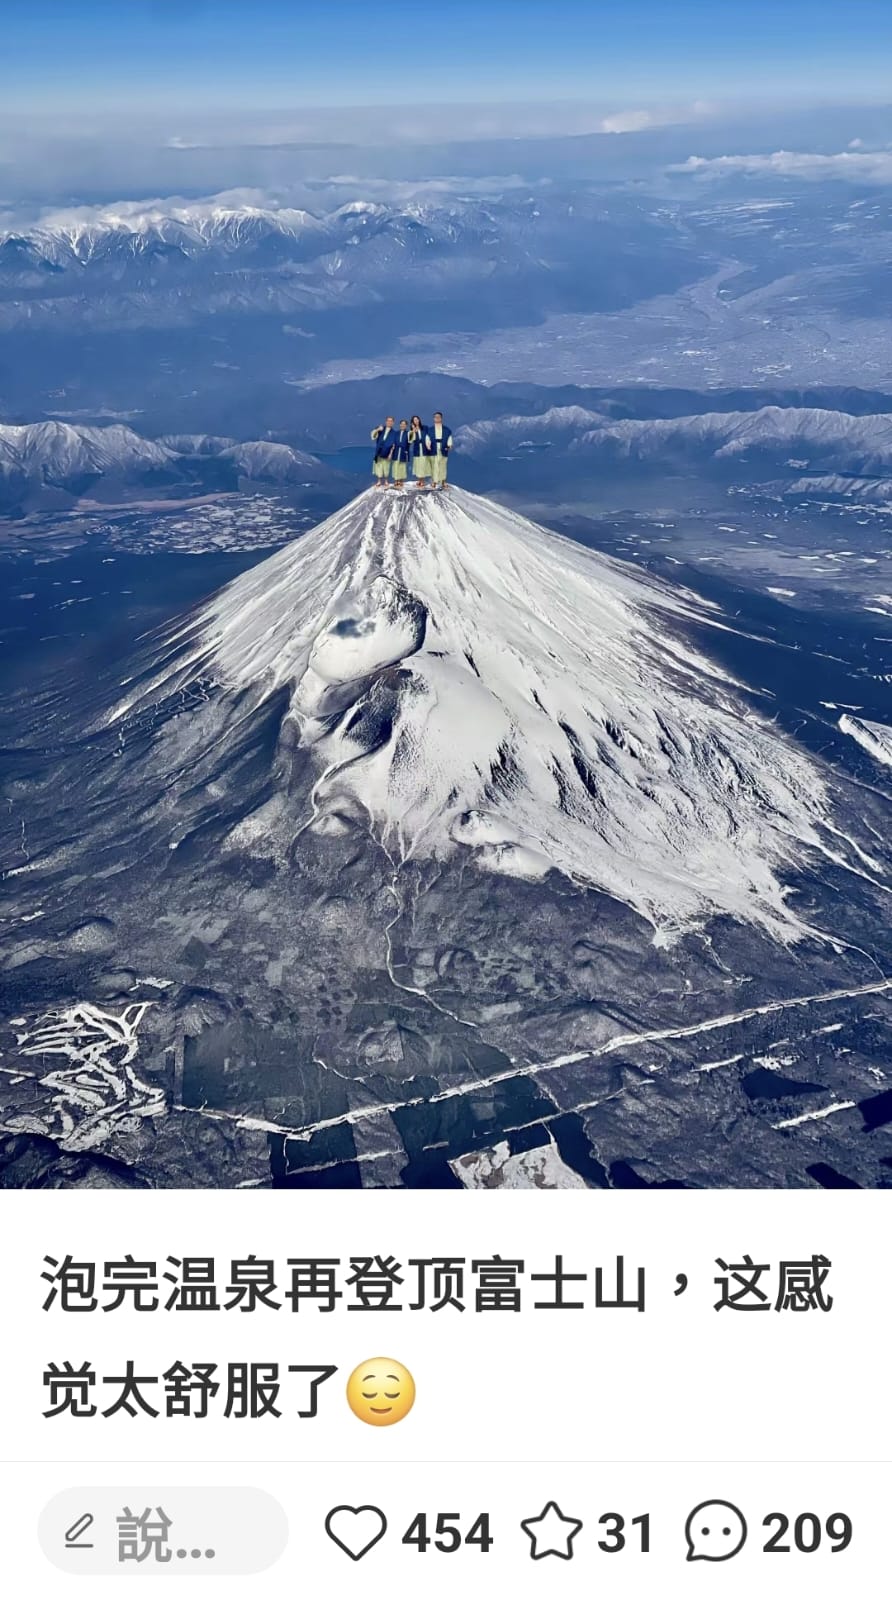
point(808, 1532)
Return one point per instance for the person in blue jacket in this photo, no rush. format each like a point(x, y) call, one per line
point(384, 440)
point(401, 455)
point(438, 443)
point(421, 465)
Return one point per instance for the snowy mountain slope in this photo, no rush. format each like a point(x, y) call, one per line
point(466, 682)
point(290, 855)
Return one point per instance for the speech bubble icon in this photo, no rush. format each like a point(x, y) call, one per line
point(715, 1531)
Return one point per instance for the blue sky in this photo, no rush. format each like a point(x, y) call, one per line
point(66, 55)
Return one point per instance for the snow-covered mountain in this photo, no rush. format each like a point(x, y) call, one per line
point(272, 463)
point(254, 458)
point(41, 457)
point(470, 684)
point(434, 829)
point(821, 437)
point(559, 425)
point(58, 452)
point(132, 229)
point(231, 224)
point(170, 262)
point(167, 263)
point(806, 436)
point(846, 486)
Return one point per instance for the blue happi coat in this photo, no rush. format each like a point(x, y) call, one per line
point(418, 447)
point(401, 452)
point(430, 441)
point(385, 444)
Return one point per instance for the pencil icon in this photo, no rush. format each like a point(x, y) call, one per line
point(75, 1532)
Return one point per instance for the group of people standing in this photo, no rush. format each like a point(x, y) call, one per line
point(427, 449)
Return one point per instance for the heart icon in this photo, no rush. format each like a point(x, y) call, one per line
point(355, 1529)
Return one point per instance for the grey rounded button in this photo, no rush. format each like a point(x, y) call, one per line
point(163, 1530)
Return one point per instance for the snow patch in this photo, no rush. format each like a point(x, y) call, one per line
point(874, 737)
point(815, 1116)
point(497, 1168)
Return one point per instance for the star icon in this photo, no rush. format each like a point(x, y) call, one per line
point(551, 1533)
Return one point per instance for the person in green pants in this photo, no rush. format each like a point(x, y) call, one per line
point(384, 439)
point(438, 443)
point(401, 455)
point(421, 465)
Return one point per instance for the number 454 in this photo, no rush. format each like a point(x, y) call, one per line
point(447, 1535)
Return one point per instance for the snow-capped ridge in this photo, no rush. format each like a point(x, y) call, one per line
point(138, 226)
point(261, 458)
point(61, 450)
point(846, 485)
point(476, 438)
point(831, 435)
point(61, 453)
point(255, 458)
point(825, 438)
point(226, 222)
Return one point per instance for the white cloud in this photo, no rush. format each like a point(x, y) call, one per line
point(144, 213)
point(627, 122)
point(659, 117)
point(854, 166)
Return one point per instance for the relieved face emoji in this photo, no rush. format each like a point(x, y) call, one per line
point(381, 1391)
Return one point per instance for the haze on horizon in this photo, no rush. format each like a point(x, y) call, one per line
point(103, 101)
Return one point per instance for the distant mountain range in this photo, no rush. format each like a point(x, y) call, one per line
point(220, 313)
point(838, 485)
point(800, 450)
point(131, 230)
point(802, 438)
point(165, 264)
point(46, 464)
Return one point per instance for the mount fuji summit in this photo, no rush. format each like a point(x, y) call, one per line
point(438, 850)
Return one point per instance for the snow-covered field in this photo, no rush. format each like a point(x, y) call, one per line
point(693, 339)
point(214, 523)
